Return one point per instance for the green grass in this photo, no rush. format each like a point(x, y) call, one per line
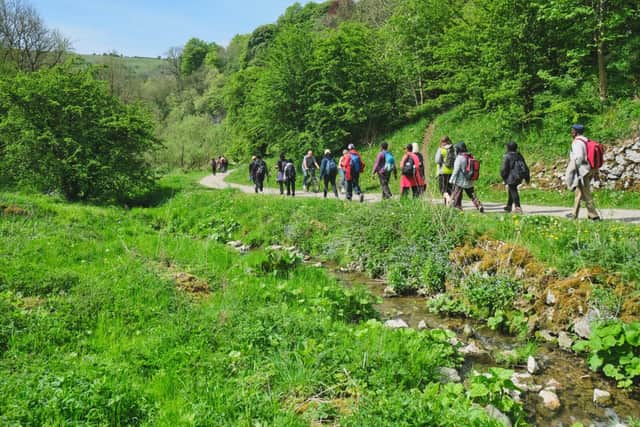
point(94, 332)
point(148, 67)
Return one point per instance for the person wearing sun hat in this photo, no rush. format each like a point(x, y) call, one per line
point(579, 174)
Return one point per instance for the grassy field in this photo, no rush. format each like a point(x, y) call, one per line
point(145, 316)
point(141, 66)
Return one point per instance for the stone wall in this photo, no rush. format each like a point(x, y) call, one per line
point(621, 169)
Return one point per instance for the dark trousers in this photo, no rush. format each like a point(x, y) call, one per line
point(291, 187)
point(353, 185)
point(259, 183)
point(281, 184)
point(443, 184)
point(415, 190)
point(384, 178)
point(514, 197)
point(457, 197)
point(330, 179)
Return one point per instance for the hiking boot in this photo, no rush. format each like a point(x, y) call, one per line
point(517, 210)
point(361, 197)
point(481, 209)
point(570, 216)
point(596, 218)
point(507, 209)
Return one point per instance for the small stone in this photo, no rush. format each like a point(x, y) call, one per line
point(276, 247)
point(390, 292)
point(553, 385)
point(318, 265)
point(449, 375)
point(601, 397)
point(564, 341)
point(546, 336)
point(471, 350)
point(550, 399)
point(396, 324)
point(422, 325)
point(633, 156)
point(551, 298)
point(467, 331)
point(244, 249)
point(532, 365)
point(582, 326)
point(307, 258)
point(495, 413)
point(235, 243)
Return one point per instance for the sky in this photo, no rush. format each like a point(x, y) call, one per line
point(150, 27)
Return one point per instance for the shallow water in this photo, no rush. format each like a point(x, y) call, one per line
point(576, 380)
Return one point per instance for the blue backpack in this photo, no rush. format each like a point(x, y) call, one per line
point(330, 167)
point(389, 162)
point(355, 163)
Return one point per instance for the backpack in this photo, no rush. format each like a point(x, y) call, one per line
point(355, 163)
point(409, 167)
point(450, 158)
point(330, 168)
point(595, 153)
point(472, 169)
point(520, 168)
point(389, 162)
point(289, 171)
point(261, 169)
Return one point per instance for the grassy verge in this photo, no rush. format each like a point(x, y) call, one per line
point(145, 317)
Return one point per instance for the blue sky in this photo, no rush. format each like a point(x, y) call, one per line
point(151, 27)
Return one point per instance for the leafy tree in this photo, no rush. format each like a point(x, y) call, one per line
point(60, 129)
point(193, 55)
point(259, 42)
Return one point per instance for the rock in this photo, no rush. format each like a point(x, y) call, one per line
point(525, 382)
point(449, 375)
point(318, 265)
point(550, 400)
point(553, 385)
point(633, 156)
point(532, 366)
point(582, 326)
point(601, 397)
point(564, 341)
point(235, 243)
point(551, 298)
point(546, 336)
point(422, 325)
point(495, 413)
point(244, 249)
point(467, 331)
point(472, 350)
point(396, 324)
point(389, 292)
point(307, 258)
point(454, 341)
point(276, 247)
point(508, 355)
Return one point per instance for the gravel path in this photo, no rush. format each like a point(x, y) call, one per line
point(622, 215)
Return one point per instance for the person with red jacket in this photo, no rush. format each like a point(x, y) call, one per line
point(411, 177)
point(353, 165)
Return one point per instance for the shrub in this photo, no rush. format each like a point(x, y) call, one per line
point(489, 294)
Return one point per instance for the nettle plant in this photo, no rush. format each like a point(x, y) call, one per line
point(615, 349)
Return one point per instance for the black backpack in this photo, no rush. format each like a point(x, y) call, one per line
point(261, 168)
point(450, 158)
point(409, 167)
point(289, 171)
point(520, 168)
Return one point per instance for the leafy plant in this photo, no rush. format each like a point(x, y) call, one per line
point(447, 305)
point(279, 263)
point(509, 321)
point(615, 349)
point(493, 388)
point(491, 293)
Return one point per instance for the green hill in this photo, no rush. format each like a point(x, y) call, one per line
point(147, 67)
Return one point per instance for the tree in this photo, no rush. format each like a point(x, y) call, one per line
point(61, 130)
point(193, 56)
point(25, 40)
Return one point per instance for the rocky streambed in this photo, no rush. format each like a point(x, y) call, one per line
point(558, 389)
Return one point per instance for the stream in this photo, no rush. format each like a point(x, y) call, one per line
point(576, 381)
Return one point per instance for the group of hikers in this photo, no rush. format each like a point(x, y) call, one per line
point(220, 164)
point(458, 171)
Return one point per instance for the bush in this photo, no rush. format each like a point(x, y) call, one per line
point(489, 294)
point(60, 130)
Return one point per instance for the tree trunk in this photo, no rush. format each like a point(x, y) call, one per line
point(602, 62)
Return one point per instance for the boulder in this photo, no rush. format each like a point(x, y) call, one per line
point(582, 326)
point(564, 341)
point(550, 400)
point(601, 397)
point(495, 413)
point(396, 324)
point(532, 365)
point(448, 375)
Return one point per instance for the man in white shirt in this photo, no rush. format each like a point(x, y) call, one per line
point(579, 174)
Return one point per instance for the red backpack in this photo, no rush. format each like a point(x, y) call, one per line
point(595, 153)
point(472, 170)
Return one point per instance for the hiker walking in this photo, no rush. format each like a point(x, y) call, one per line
point(260, 173)
point(422, 185)
point(384, 166)
point(466, 170)
point(289, 175)
point(445, 159)
point(329, 172)
point(410, 168)
point(252, 167)
point(223, 163)
point(353, 166)
point(514, 170)
point(342, 167)
point(579, 174)
point(213, 165)
point(309, 166)
point(280, 173)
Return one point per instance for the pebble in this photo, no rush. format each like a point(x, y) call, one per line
point(564, 341)
point(396, 324)
point(550, 399)
point(422, 325)
point(532, 365)
point(601, 397)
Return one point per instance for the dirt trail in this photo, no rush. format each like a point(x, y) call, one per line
point(623, 215)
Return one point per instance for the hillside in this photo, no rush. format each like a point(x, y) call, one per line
point(144, 67)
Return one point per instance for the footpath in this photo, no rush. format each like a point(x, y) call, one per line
point(630, 216)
